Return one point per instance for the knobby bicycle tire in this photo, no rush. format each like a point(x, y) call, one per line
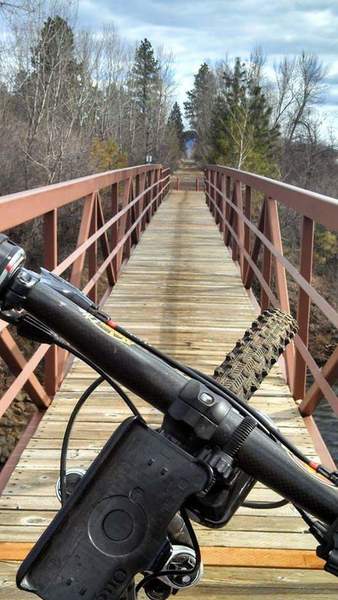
point(245, 367)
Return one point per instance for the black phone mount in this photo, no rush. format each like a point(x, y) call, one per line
point(115, 523)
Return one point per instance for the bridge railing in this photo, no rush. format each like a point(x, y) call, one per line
point(133, 195)
point(231, 195)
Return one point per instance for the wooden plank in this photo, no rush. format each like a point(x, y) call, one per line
point(236, 582)
point(213, 556)
point(261, 557)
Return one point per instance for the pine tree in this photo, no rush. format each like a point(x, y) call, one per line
point(199, 108)
point(56, 71)
point(55, 50)
point(241, 134)
point(146, 74)
point(55, 98)
point(175, 124)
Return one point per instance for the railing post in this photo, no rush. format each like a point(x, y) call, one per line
point(115, 226)
point(267, 261)
point(215, 196)
point(92, 253)
point(210, 181)
point(276, 239)
point(128, 242)
point(217, 199)
point(83, 235)
point(161, 186)
point(154, 209)
point(152, 193)
point(147, 183)
point(220, 201)
point(51, 379)
point(240, 226)
point(143, 181)
point(212, 193)
point(137, 209)
point(281, 283)
point(149, 195)
point(237, 223)
point(227, 208)
point(207, 187)
point(256, 247)
point(247, 212)
point(157, 189)
point(304, 303)
point(223, 204)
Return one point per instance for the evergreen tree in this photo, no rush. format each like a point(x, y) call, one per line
point(175, 124)
point(199, 107)
point(56, 37)
point(146, 73)
point(60, 77)
point(241, 134)
point(55, 51)
point(55, 97)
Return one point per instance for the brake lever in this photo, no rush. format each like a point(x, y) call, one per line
point(66, 289)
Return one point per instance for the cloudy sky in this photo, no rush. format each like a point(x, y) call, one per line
point(199, 30)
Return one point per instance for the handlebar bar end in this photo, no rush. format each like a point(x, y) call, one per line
point(11, 258)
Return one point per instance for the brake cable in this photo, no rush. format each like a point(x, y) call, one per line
point(66, 437)
point(90, 389)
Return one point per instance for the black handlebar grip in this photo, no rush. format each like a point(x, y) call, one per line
point(268, 462)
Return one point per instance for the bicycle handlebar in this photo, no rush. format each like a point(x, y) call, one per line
point(161, 385)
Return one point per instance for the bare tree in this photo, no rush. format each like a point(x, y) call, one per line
point(299, 85)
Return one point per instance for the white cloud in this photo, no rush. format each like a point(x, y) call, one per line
point(201, 30)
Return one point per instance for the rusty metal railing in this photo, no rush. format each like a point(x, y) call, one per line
point(230, 195)
point(134, 195)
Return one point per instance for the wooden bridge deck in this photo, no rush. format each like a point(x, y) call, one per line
point(181, 291)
